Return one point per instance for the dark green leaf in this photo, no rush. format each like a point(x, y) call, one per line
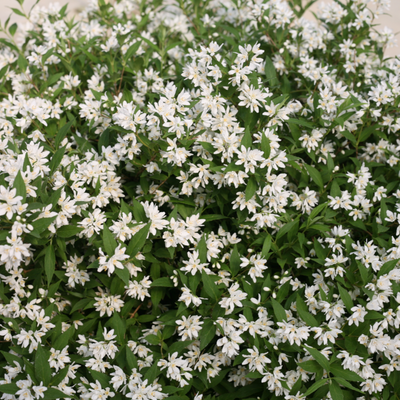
point(344, 295)
point(138, 241)
point(315, 176)
point(235, 261)
point(163, 282)
point(20, 187)
point(251, 188)
point(387, 267)
point(109, 243)
point(68, 231)
point(49, 263)
point(303, 312)
point(56, 159)
point(42, 366)
point(270, 72)
point(336, 392)
point(63, 132)
point(9, 388)
point(123, 274)
point(279, 311)
point(210, 287)
point(315, 386)
point(319, 358)
point(207, 333)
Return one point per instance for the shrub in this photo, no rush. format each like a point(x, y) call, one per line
point(199, 200)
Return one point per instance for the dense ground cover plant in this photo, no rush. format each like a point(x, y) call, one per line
point(199, 200)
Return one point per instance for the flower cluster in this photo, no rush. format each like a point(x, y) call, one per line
point(199, 199)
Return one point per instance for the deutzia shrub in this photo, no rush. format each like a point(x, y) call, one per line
point(199, 199)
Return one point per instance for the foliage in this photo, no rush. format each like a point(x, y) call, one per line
point(199, 200)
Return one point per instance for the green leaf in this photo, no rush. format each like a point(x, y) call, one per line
point(18, 12)
point(56, 159)
point(63, 132)
point(210, 287)
point(315, 176)
point(316, 386)
point(58, 378)
point(20, 187)
point(52, 393)
point(310, 366)
point(336, 392)
point(344, 295)
point(319, 358)
point(68, 231)
point(138, 241)
point(104, 379)
point(303, 312)
point(42, 224)
point(51, 80)
point(207, 333)
point(251, 188)
point(131, 358)
point(387, 267)
point(162, 282)
point(266, 246)
point(119, 327)
point(123, 274)
point(247, 140)
point(202, 249)
point(270, 72)
point(235, 261)
point(49, 263)
point(344, 383)
point(63, 339)
point(151, 373)
point(287, 228)
point(279, 311)
point(301, 122)
point(340, 372)
point(265, 146)
point(109, 243)
point(179, 346)
point(132, 50)
point(42, 366)
point(12, 29)
point(9, 388)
